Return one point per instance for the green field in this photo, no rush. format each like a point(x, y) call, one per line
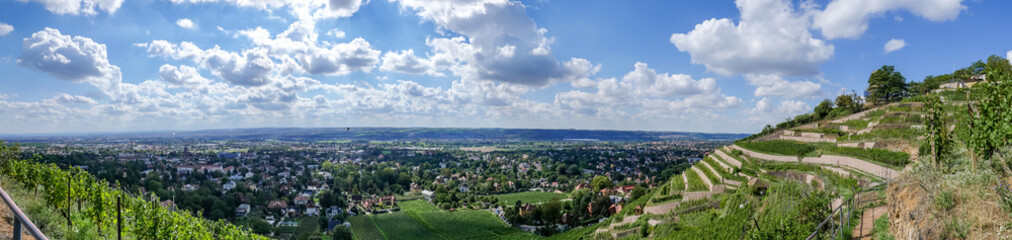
point(421, 220)
point(530, 197)
point(417, 206)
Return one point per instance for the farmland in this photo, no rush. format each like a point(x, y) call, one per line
point(530, 197)
point(421, 220)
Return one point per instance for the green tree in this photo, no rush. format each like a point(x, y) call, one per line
point(886, 84)
point(824, 108)
point(341, 233)
point(600, 182)
point(997, 65)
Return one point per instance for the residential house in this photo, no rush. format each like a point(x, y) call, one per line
point(302, 200)
point(242, 210)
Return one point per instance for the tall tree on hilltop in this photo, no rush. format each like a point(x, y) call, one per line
point(886, 84)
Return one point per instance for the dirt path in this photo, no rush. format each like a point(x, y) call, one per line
point(863, 230)
point(855, 163)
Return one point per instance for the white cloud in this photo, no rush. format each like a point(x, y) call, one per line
point(849, 18)
point(894, 44)
point(5, 29)
point(251, 67)
point(765, 112)
point(769, 85)
point(500, 42)
point(1008, 55)
point(182, 75)
point(336, 33)
point(185, 23)
point(80, 7)
point(643, 92)
point(73, 99)
point(771, 37)
point(71, 58)
point(406, 62)
point(298, 45)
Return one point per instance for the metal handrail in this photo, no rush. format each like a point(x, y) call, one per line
point(21, 219)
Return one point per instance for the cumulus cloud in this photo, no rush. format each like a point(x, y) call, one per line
point(767, 111)
point(71, 58)
point(182, 75)
point(894, 44)
point(185, 23)
point(502, 43)
point(1008, 55)
point(769, 85)
point(5, 29)
point(80, 7)
point(646, 91)
point(73, 99)
point(251, 67)
point(299, 45)
point(405, 61)
point(849, 18)
point(771, 37)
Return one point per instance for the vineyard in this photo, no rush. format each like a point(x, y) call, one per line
point(695, 183)
point(677, 183)
point(885, 157)
point(76, 192)
point(723, 172)
point(530, 197)
point(778, 147)
point(418, 221)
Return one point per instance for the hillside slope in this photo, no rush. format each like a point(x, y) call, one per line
point(907, 170)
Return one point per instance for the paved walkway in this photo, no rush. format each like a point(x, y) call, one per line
point(870, 168)
point(867, 223)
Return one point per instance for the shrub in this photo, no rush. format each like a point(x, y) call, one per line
point(945, 200)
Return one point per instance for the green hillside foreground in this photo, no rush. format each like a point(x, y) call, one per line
point(530, 197)
point(950, 151)
point(41, 191)
point(420, 220)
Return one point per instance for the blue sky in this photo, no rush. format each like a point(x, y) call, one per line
point(705, 66)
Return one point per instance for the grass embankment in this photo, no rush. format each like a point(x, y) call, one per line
point(533, 197)
point(421, 220)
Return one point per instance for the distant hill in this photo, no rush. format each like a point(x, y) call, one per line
point(393, 134)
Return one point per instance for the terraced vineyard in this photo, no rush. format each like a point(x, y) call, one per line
point(695, 182)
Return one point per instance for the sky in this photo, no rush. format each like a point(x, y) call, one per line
point(73, 66)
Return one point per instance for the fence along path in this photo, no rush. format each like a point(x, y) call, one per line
point(870, 168)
